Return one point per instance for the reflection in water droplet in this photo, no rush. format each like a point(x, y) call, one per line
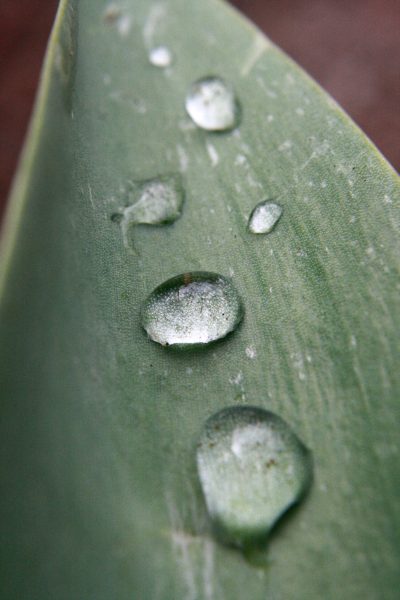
point(192, 308)
point(160, 57)
point(252, 468)
point(264, 217)
point(212, 105)
point(152, 202)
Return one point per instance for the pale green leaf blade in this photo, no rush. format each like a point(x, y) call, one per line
point(100, 423)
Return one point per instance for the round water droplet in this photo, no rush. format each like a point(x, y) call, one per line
point(264, 217)
point(252, 468)
point(212, 105)
point(192, 308)
point(160, 57)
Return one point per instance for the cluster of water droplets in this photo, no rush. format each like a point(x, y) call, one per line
point(160, 56)
point(212, 105)
point(251, 465)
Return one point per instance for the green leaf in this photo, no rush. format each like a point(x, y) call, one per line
point(99, 423)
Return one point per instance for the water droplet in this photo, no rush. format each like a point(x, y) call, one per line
point(191, 309)
point(160, 56)
point(211, 103)
point(252, 468)
point(152, 202)
point(264, 217)
point(155, 201)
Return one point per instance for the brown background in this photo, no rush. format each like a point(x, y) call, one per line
point(351, 47)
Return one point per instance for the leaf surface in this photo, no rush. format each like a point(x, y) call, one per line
point(101, 423)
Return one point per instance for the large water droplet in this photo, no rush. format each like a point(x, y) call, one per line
point(264, 217)
point(212, 105)
point(192, 308)
point(152, 202)
point(160, 56)
point(252, 468)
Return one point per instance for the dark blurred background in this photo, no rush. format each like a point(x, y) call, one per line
point(351, 47)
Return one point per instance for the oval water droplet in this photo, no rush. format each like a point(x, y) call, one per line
point(160, 57)
point(192, 309)
point(211, 103)
point(264, 217)
point(154, 201)
point(252, 468)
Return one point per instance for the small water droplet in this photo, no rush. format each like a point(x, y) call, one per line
point(211, 103)
point(154, 201)
point(264, 217)
point(252, 468)
point(160, 56)
point(191, 309)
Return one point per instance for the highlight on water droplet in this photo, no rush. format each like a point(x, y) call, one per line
point(252, 468)
point(156, 201)
point(211, 103)
point(160, 56)
point(192, 309)
point(264, 217)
